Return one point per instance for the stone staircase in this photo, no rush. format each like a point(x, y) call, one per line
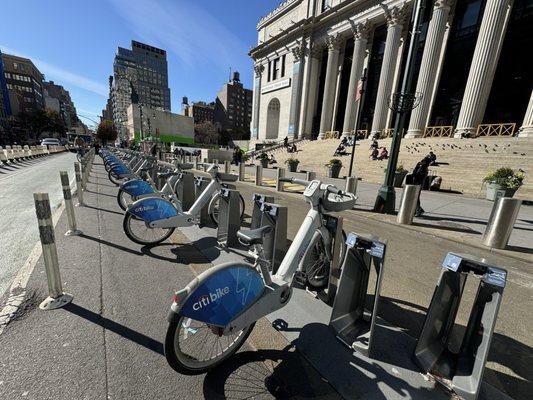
point(463, 162)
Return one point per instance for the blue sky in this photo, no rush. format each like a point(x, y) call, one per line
point(73, 42)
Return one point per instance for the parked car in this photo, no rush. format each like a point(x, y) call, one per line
point(50, 142)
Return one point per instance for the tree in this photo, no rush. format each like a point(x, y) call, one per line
point(206, 132)
point(107, 131)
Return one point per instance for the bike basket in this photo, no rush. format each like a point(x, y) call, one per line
point(335, 203)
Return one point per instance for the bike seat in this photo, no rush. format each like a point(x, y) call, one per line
point(254, 236)
point(165, 175)
point(227, 177)
point(146, 169)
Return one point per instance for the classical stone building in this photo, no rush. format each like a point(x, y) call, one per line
point(470, 77)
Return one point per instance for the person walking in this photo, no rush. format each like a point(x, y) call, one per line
point(419, 176)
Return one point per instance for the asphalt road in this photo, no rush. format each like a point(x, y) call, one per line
point(18, 225)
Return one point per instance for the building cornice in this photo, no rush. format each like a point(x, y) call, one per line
point(330, 21)
point(279, 11)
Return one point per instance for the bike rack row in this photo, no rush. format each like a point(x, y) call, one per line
point(353, 300)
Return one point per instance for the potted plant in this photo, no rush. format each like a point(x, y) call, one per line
point(334, 167)
point(263, 159)
point(503, 182)
point(399, 175)
point(292, 163)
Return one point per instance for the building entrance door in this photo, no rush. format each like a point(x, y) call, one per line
point(272, 126)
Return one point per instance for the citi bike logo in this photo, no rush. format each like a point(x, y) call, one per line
point(144, 208)
point(207, 299)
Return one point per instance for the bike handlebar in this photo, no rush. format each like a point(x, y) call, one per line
point(295, 180)
point(334, 190)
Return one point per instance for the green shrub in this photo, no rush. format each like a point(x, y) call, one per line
point(506, 177)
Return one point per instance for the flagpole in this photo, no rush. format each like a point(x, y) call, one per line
point(361, 87)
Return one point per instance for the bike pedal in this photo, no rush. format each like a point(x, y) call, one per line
point(300, 279)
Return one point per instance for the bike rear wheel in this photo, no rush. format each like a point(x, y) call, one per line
point(193, 347)
point(139, 232)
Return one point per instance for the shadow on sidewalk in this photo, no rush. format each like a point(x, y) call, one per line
point(282, 374)
point(104, 209)
point(124, 331)
point(114, 245)
point(100, 193)
point(447, 228)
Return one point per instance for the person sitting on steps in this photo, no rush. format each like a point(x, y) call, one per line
point(384, 154)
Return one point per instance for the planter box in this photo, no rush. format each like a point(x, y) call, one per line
point(398, 179)
point(334, 171)
point(495, 191)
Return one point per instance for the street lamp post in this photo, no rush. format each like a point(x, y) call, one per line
point(401, 103)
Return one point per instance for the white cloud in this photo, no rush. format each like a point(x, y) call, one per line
point(182, 28)
point(62, 76)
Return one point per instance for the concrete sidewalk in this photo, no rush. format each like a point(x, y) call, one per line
point(451, 216)
point(413, 265)
point(107, 344)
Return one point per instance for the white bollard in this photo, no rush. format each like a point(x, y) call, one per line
point(79, 185)
point(67, 195)
point(56, 297)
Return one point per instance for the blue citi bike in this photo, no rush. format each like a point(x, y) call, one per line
point(212, 317)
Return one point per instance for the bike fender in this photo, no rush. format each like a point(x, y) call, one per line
point(137, 187)
point(151, 209)
point(121, 170)
point(222, 293)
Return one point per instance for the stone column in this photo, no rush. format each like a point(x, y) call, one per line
point(360, 32)
point(395, 20)
point(429, 67)
point(483, 67)
point(298, 54)
point(258, 68)
point(333, 43)
point(312, 88)
point(526, 130)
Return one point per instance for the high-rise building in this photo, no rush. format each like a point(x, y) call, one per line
point(107, 112)
point(233, 108)
point(143, 72)
point(58, 99)
point(5, 108)
point(200, 111)
point(24, 83)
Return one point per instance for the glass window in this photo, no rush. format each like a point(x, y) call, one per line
point(275, 69)
point(282, 66)
point(470, 17)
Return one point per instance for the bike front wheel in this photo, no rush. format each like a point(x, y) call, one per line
point(113, 177)
point(139, 232)
point(124, 199)
point(316, 264)
point(193, 347)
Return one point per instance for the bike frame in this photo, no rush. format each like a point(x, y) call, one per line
point(277, 288)
point(190, 217)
